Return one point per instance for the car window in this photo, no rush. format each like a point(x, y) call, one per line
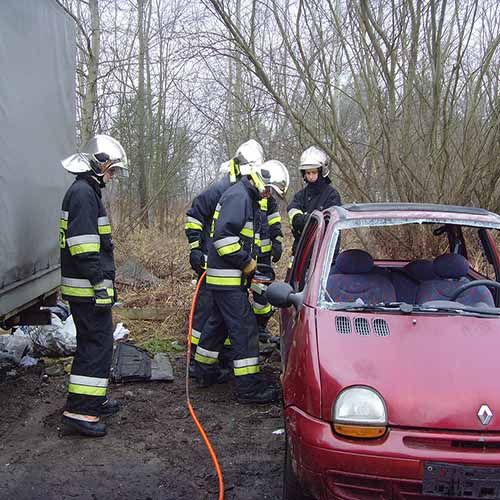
point(476, 254)
point(302, 259)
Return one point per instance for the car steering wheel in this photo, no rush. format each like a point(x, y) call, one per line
point(473, 284)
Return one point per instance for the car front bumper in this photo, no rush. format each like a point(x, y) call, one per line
point(391, 467)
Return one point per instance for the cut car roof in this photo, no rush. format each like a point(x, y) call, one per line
point(417, 211)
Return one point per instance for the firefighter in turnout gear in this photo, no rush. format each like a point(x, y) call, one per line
point(318, 193)
point(199, 219)
point(88, 272)
point(270, 242)
point(232, 261)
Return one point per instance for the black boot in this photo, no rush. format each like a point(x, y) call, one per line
point(72, 426)
point(221, 376)
point(110, 407)
point(256, 391)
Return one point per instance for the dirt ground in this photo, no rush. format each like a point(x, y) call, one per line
point(152, 450)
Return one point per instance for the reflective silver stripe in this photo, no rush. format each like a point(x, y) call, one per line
point(266, 241)
point(90, 381)
point(229, 240)
point(103, 221)
point(84, 238)
point(258, 306)
point(241, 363)
point(195, 333)
point(229, 273)
point(194, 221)
point(248, 225)
point(206, 353)
point(271, 216)
point(64, 215)
point(82, 283)
point(218, 207)
point(294, 211)
point(257, 236)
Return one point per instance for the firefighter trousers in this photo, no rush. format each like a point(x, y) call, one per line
point(88, 381)
point(231, 317)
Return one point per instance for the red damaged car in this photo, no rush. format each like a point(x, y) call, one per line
point(390, 328)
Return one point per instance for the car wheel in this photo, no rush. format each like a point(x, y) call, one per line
point(292, 489)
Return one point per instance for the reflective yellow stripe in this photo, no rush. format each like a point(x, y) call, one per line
point(194, 244)
point(227, 341)
point(85, 248)
point(87, 390)
point(264, 310)
point(266, 248)
point(192, 225)
point(263, 204)
point(63, 224)
point(274, 220)
point(293, 212)
point(109, 300)
point(104, 229)
point(194, 340)
point(279, 239)
point(247, 232)
point(235, 247)
point(204, 359)
point(77, 292)
point(225, 281)
point(246, 370)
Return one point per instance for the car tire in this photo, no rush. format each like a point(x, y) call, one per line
point(292, 489)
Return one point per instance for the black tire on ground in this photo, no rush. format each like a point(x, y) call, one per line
point(292, 489)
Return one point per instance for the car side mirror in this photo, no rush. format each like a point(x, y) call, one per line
point(280, 294)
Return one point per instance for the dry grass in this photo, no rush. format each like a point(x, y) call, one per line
point(167, 257)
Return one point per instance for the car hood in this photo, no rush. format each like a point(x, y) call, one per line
point(432, 371)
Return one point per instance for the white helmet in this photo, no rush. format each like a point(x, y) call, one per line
point(249, 154)
point(273, 174)
point(100, 150)
point(314, 157)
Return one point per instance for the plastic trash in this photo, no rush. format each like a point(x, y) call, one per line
point(120, 332)
point(28, 361)
point(278, 432)
point(56, 339)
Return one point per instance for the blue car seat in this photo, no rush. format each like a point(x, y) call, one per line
point(354, 277)
point(407, 279)
point(451, 271)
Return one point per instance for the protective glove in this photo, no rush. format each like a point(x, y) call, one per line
point(276, 250)
point(102, 298)
point(197, 261)
point(249, 269)
point(299, 221)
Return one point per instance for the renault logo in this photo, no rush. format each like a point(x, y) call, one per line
point(484, 415)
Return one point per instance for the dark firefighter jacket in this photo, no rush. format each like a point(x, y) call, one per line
point(316, 196)
point(270, 228)
point(85, 241)
point(199, 216)
point(235, 224)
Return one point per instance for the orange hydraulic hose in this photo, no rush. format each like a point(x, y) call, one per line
point(202, 432)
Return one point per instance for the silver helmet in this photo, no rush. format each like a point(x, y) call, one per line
point(314, 157)
point(100, 150)
point(272, 174)
point(250, 154)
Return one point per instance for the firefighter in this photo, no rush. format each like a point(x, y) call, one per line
point(231, 262)
point(199, 218)
point(270, 242)
point(317, 194)
point(88, 272)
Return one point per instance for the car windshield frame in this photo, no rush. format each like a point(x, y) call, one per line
point(324, 302)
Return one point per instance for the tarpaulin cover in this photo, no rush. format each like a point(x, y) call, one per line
point(37, 130)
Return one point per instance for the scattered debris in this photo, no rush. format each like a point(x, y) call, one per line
point(120, 333)
point(133, 273)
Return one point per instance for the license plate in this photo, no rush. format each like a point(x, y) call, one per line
point(462, 481)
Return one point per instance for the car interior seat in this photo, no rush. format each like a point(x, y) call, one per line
point(407, 279)
point(354, 277)
point(451, 271)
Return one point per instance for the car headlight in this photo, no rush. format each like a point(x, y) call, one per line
point(360, 412)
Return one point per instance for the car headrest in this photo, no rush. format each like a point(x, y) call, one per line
point(450, 265)
point(420, 269)
point(354, 262)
